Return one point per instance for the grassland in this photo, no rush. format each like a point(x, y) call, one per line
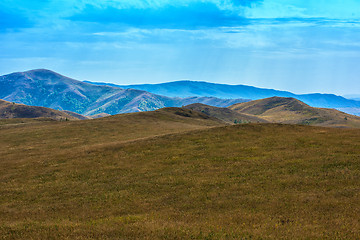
point(10, 110)
point(293, 111)
point(225, 114)
point(176, 174)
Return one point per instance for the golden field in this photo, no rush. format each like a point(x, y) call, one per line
point(177, 174)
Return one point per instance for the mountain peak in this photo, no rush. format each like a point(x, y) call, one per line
point(40, 70)
point(43, 73)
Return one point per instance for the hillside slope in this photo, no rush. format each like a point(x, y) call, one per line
point(225, 114)
point(162, 175)
point(293, 111)
point(128, 126)
point(45, 88)
point(13, 110)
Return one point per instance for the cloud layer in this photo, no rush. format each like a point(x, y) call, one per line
point(256, 42)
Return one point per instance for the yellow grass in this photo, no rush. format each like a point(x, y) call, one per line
point(293, 111)
point(166, 176)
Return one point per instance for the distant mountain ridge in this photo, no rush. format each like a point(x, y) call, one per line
point(42, 87)
point(198, 88)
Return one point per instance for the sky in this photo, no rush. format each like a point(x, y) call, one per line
point(302, 46)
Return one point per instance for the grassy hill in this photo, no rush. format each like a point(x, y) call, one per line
point(13, 110)
point(293, 111)
point(177, 174)
point(77, 115)
point(225, 114)
point(99, 115)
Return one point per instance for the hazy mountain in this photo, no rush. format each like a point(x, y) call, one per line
point(353, 111)
point(353, 97)
point(46, 88)
point(196, 88)
point(14, 110)
point(293, 111)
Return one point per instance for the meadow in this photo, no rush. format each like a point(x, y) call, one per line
point(177, 174)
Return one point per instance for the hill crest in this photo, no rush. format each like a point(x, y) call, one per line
point(13, 110)
point(293, 111)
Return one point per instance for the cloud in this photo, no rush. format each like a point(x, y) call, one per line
point(333, 9)
point(180, 14)
point(192, 16)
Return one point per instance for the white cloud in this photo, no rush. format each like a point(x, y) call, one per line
point(334, 9)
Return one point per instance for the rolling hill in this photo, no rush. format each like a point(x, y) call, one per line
point(293, 111)
point(12, 110)
point(199, 88)
point(46, 88)
point(225, 114)
point(178, 174)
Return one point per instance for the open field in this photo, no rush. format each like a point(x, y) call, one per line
point(174, 174)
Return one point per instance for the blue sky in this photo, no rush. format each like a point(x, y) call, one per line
point(298, 45)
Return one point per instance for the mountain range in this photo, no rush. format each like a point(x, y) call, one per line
point(46, 88)
point(199, 88)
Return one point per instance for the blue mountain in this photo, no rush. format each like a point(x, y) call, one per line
point(205, 89)
point(46, 88)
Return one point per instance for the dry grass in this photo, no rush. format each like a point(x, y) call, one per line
point(293, 111)
point(110, 179)
point(225, 114)
point(10, 110)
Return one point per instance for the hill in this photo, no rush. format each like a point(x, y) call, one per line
point(13, 110)
point(293, 111)
point(199, 88)
point(99, 115)
point(76, 115)
point(46, 88)
point(177, 174)
point(225, 114)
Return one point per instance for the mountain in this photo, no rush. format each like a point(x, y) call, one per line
point(46, 88)
point(353, 97)
point(350, 110)
point(225, 114)
point(293, 111)
point(198, 88)
point(13, 110)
